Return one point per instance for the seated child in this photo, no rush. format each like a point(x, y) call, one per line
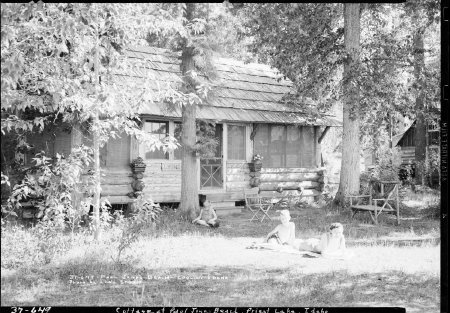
point(330, 245)
point(207, 216)
point(283, 234)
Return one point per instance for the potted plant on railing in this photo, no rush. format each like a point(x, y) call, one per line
point(256, 164)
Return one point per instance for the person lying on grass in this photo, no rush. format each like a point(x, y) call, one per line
point(331, 244)
point(207, 216)
point(283, 234)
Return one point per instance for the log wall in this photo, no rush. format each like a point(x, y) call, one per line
point(237, 175)
point(310, 179)
point(163, 180)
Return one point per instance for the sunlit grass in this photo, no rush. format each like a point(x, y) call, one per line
point(393, 265)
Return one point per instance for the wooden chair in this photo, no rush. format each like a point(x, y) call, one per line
point(386, 200)
point(258, 206)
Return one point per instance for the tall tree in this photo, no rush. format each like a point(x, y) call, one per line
point(350, 170)
point(189, 187)
point(197, 40)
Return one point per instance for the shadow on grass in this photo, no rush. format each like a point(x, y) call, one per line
point(113, 285)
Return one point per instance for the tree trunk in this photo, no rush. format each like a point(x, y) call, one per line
point(350, 166)
point(96, 143)
point(420, 129)
point(189, 187)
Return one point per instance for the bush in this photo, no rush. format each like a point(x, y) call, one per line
point(388, 164)
point(145, 213)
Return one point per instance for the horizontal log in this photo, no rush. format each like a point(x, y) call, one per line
point(237, 183)
point(234, 171)
point(289, 177)
point(289, 185)
point(237, 178)
point(232, 165)
point(162, 188)
point(291, 170)
point(156, 182)
point(116, 190)
point(306, 193)
point(116, 180)
point(162, 175)
point(126, 170)
point(161, 167)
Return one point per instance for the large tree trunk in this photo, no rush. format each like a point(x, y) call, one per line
point(189, 187)
point(350, 166)
point(420, 130)
point(96, 143)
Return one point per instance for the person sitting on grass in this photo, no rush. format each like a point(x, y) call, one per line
point(331, 244)
point(207, 216)
point(283, 234)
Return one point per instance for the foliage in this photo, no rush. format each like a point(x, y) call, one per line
point(130, 229)
point(257, 157)
point(387, 166)
point(48, 56)
point(61, 60)
point(50, 185)
point(206, 145)
point(305, 42)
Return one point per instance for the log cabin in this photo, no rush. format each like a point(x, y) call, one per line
point(250, 118)
point(406, 142)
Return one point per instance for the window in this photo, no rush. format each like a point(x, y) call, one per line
point(236, 142)
point(118, 151)
point(293, 147)
point(177, 135)
point(433, 133)
point(433, 138)
point(53, 142)
point(285, 146)
point(160, 129)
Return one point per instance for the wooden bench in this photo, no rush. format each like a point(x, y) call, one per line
point(385, 200)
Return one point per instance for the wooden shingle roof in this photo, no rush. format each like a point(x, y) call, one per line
point(241, 92)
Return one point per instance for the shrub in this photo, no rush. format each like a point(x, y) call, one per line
point(388, 164)
point(145, 213)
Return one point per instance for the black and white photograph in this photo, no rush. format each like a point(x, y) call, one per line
point(253, 155)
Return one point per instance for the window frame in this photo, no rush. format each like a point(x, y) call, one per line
point(245, 141)
point(167, 154)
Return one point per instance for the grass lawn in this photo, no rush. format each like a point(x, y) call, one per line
point(180, 264)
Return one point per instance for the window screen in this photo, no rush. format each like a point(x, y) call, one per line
point(307, 150)
point(160, 129)
point(277, 146)
point(293, 147)
point(236, 142)
point(285, 146)
point(261, 143)
point(118, 151)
